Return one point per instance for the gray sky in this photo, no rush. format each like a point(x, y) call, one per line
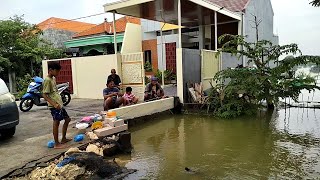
point(295, 21)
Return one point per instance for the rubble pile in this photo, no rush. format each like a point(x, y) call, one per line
point(86, 162)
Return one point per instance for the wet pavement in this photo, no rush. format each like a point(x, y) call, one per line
point(35, 130)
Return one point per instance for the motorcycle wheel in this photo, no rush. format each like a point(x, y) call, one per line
point(66, 98)
point(26, 104)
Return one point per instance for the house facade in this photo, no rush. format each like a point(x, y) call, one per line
point(200, 24)
point(99, 40)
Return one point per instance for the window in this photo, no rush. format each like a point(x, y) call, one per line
point(147, 56)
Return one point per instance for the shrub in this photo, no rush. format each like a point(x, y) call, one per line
point(22, 85)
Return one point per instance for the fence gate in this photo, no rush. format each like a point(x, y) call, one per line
point(65, 74)
point(191, 69)
point(211, 64)
point(132, 66)
point(171, 62)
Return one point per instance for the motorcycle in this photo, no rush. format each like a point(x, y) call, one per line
point(34, 95)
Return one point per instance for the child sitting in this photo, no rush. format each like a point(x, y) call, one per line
point(129, 98)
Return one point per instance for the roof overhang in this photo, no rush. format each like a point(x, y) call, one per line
point(137, 8)
point(217, 8)
point(123, 4)
point(93, 40)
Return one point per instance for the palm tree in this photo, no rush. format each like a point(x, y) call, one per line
point(315, 3)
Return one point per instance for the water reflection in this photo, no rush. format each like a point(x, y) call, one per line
point(269, 146)
point(283, 144)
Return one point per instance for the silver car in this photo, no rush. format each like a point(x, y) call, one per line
point(9, 114)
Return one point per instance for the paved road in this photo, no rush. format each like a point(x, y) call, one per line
point(35, 130)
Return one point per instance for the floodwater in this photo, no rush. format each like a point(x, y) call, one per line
point(284, 144)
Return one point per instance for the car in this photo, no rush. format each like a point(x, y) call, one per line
point(9, 114)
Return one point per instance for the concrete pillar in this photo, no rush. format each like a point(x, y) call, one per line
point(179, 24)
point(215, 31)
point(114, 33)
point(201, 36)
point(12, 81)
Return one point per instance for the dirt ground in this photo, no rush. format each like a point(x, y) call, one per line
point(35, 130)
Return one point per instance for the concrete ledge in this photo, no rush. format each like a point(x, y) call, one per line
point(108, 130)
point(144, 109)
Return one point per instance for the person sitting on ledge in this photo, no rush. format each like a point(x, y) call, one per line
point(112, 97)
point(153, 90)
point(129, 97)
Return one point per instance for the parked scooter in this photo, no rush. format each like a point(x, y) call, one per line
point(34, 95)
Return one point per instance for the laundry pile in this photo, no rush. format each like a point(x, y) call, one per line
point(103, 124)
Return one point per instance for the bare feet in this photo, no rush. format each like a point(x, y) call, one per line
point(59, 146)
point(65, 140)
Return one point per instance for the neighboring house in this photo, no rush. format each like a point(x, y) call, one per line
point(57, 30)
point(98, 40)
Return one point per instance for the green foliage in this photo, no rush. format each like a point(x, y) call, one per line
point(168, 75)
point(148, 67)
point(147, 80)
point(315, 3)
point(230, 106)
point(243, 89)
point(20, 45)
point(22, 84)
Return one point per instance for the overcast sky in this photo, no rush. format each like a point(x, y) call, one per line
point(295, 21)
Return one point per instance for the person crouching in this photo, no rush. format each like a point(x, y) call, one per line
point(129, 97)
point(112, 97)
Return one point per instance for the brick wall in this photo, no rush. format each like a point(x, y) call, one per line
point(151, 45)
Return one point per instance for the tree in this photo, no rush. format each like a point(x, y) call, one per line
point(21, 47)
point(248, 87)
point(315, 3)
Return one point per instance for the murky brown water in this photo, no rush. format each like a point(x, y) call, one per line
point(284, 144)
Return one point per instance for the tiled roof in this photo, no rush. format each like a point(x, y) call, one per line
point(107, 27)
point(233, 5)
point(64, 24)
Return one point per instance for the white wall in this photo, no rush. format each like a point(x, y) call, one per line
point(149, 36)
point(132, 41)
point(264, 12)
point(90, 73)
point(150, 26)
point(180, 85)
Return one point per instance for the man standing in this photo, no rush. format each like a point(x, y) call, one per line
point(115, 78)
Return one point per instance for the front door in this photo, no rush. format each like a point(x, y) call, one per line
point(171, 57)
point(65, 74)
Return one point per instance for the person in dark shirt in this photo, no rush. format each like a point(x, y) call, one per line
point(115, 77)
point(153, 90)
point(112, 97)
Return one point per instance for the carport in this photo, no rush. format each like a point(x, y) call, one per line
point(200, 24)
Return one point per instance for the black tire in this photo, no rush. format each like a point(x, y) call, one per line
point(66, 98)
point(26, 104)
point(8, 133)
